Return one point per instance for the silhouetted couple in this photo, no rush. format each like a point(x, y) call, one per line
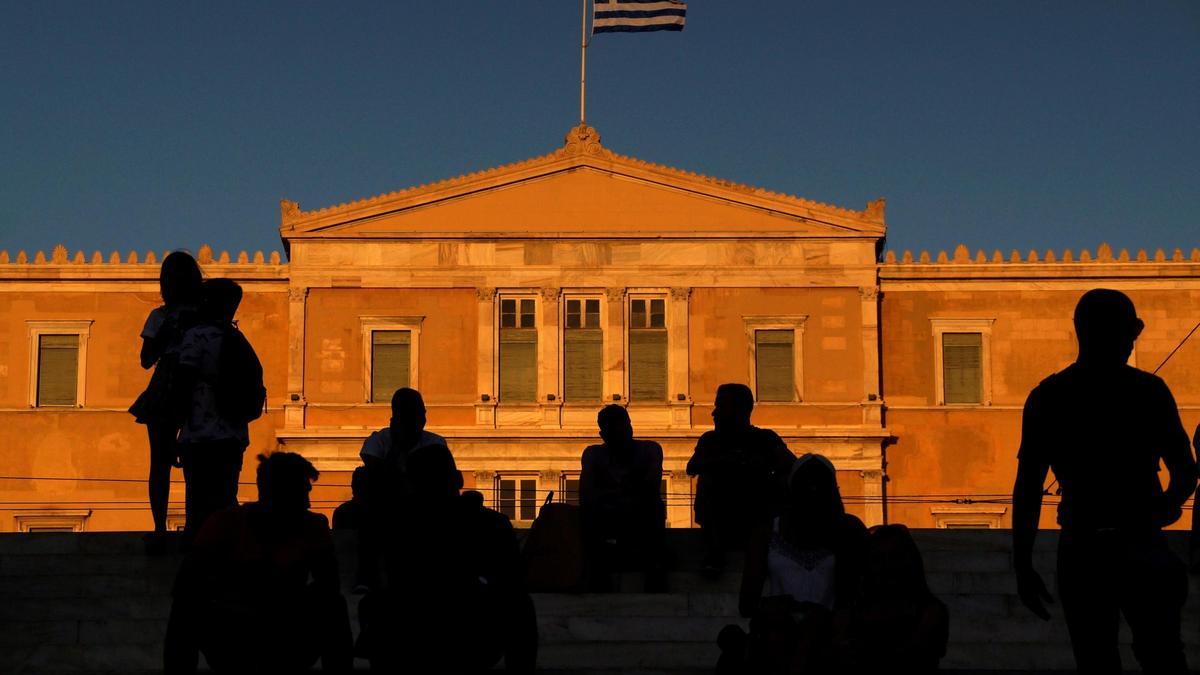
point(444, 575)
point(259, 590)
point(824, 595)
point(1103, 427)
point(206, 388)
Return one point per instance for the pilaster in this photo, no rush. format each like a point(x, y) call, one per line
point(872, 403)
point(549, 396)
point(485, 369)
point(614, 345)
point(678, 358)
point(873, 492)
point(294, 406)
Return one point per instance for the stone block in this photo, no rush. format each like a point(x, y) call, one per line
point(122, 631)
point(610, 604)
point(16, 633)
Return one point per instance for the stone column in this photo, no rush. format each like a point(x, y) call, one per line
point(294, 406)
point(614, 346)
point(485, 483)
point(871, 399)
point(549, 396)
point(549, 480)
point(485, 355)
point(678, 360)
point(873, 491)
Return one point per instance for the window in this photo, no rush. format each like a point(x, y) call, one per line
point(776, 367)
point(518, 351)
point(968, 516)
point(647, 349)
point(962, 372)
point(516, 498)
point(962, 367)
point(57, 363)
point(390, 355)
point(390, 362)
point(583, 350)
point(773, 367)
point(568, 489)
point(51, 520)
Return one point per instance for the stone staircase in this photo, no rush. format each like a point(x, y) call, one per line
point(92, 603)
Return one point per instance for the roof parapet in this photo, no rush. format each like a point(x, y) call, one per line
point(1103, 255)
point(60, 256)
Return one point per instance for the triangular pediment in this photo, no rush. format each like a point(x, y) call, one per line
point(582, 190)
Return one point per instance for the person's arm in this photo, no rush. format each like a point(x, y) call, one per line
point(150, 352)
point(1032, 468)
point(754, 572)
point(1177, 456)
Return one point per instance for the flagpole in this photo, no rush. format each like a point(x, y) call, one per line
point(582, 60)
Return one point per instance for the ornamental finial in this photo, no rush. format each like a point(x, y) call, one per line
point(583, 139)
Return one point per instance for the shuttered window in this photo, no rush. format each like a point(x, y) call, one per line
point(647, 350)
point(774, 368)
point(517, 498)
point(962, 367)
point(569, 490)
point(518, 351)
point(391, 360)
point(583, 349)
point(58, 370)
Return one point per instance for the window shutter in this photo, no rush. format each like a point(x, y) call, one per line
point(58, 370)
point(582, 359)
point(390, 362)
point(528, 499)
point(962, 367)
point(507, 498)
point(570, 493)
point(518, 365)
point(648, 365)
point(774, 372)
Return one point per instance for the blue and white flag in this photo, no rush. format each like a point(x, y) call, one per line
point(618, 16)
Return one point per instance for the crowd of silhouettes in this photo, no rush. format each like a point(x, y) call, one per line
point(445, 586)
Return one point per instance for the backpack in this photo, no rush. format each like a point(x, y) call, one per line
point(240, 393)
point(553, 550)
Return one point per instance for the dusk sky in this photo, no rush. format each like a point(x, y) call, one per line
point(157, 125)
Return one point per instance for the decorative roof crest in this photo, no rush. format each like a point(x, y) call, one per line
point(582, 140)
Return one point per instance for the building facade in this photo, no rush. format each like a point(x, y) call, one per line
point(522, 299)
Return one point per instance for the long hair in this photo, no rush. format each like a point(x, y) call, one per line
point(179, 279)
point(814, 498)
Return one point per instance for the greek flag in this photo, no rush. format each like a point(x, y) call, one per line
point(621, 16)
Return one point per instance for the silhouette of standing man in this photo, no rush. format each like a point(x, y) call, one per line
point(1103, 427)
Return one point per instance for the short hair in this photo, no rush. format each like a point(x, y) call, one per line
point(283, 468)
point(432, 468)
point(1103, 312)
point(407, 399)
point(737, 394)
point(221, 297)
point(611, 413)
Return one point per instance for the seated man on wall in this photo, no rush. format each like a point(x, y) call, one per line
point(385, 456)
point(622, 511)
point(740, 469)
point(455, 601)
point(243, 595)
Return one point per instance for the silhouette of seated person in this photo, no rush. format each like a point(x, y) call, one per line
point(259, 590)
point(1104, 427)
point(809, 559)
point(740, 467)
point(385, 456)
point(897, 624)
point(455, 599)
point(621, 508)
point(350, 515)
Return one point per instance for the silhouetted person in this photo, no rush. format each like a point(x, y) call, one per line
point(739, 468)
point(454, 599)
point(351, 515)
point(620, 502)
point(809, 559)
point(211, 440)
point(179, 283)
point(385, 456)
point(1103, 427)
point(244, 597)
point(897, 624)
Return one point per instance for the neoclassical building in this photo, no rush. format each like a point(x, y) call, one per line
point(523, 298)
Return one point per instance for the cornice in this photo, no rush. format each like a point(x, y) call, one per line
point(581, 148)
point(60, 265)
point(1068, 264)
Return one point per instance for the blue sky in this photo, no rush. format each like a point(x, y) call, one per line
point(153, 125)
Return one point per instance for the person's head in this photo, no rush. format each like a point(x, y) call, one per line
point(615, 427)
point(284, 480)
point(893, 565)
point(220, 299)
point(432, 474)
point(733, 406)
point(408, 417)
point(358, 482)
point(1106, 325)
point(179, 279)
point(814, 502)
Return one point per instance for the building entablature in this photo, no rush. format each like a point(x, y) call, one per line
point(61, 266)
